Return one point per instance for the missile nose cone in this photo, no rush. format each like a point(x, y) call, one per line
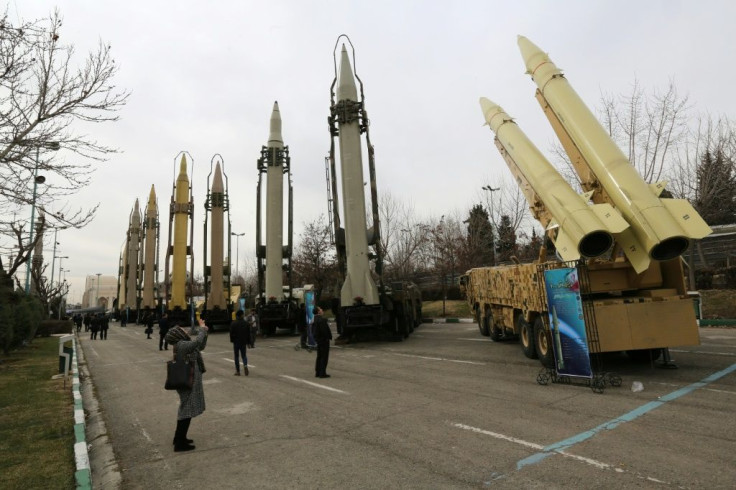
point(152, 194)
point(346, 88)
point(217, 180)
point(183, 169)
point(274, 135)
point(491, 111)
point(532, 55)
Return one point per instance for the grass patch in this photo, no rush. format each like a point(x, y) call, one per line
point(453, 309)
point(719, 303)
point(36, 419)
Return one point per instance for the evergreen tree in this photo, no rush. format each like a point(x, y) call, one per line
point(716, 188)
point(506, 246)
point(479, 241)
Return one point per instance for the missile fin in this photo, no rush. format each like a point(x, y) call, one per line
point(587, 196)
point(610, 217)
point(634, 250)
point(658, 187)
point(566, 247)
point(684, 213)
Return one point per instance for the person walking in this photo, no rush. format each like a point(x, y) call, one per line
point(322, 335)
point(149, 325)
point(78, 322)
point(240, 337)
point(104, 326)
point(94, 326)
point(87, 322)
point(163, 328)
point(191, 402)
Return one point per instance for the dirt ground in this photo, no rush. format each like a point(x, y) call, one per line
point(718, 303)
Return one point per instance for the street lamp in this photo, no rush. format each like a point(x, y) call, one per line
point(237, 251)
point(52, 269)
point(37, 179)
point(97, 300)
point(491, 190)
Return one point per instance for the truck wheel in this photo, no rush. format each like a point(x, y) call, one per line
point(526, 337)
point(543, 344)
point(482, 323)
point(495, 332)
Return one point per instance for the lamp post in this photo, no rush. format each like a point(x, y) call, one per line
point(63, 295)
point(37, 179)
point(237, 251)
point(52, 269)
point(97, 299)
point(491, 190)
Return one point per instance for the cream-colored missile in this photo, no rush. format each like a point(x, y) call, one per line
point(134, 243)
point(582, 229)
point(358, 279)
point(217, 230)
point(150, 261)
point(181, 224)
point(660, 228)
point(275, 211)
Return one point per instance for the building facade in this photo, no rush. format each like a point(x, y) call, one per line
point(100, 291)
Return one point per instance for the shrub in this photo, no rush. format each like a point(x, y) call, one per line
point(704, 279)
point(51, 327)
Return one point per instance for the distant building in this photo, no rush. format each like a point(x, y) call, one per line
point(102, 292)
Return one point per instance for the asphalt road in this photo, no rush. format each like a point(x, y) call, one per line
point(446, 408)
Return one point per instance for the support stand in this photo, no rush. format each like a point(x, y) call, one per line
point(597, 383)
point(667, 362)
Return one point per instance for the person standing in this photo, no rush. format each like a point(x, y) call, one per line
point(87, 322)
point(240, 337)
point(163, 328)
point(301, 324)
point(104, 326)
point(191, 402)
point(252, 322)
point(322, 335)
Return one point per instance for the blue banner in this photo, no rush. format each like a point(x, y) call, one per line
point(309, 304)
point(567, 323)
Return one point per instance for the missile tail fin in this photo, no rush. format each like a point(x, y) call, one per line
point(658, 187)
point(611, 218)
point(634, 250)
point(687, 217)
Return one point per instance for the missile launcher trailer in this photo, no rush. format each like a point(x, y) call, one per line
point(394, 309)
point(623, 249)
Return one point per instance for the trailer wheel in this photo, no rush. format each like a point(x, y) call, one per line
point(543, 344)
point(526, 337)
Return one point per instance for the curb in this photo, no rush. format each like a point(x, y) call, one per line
point(82, 476)
point(447, 320)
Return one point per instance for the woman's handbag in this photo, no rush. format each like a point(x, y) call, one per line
point(179, 375)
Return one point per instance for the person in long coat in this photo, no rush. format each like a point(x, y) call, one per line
point(191, 402)
point(323, 335)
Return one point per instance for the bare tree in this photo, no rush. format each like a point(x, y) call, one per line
point(314, 261)
point(43, 98)
point(402, 235)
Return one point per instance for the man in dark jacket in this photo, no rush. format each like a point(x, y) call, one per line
point(163, 328)
point(322, 335)
point(240, 337)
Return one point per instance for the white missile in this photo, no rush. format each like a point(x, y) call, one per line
point(275, 212)
point(660, 228)
point(581, 229)
point(358, 279)
point(217, 294)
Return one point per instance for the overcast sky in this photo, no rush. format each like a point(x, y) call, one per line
point(203, 77)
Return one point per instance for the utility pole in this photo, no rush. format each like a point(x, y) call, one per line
point(491, 190)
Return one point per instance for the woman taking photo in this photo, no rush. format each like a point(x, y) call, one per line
point(191, 402)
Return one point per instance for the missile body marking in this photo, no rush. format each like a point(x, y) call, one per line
point(582, 230)
point(659, 227)
point(358, 279)
point(150, 258)
point(275, 210)
point(217, 230)
point(134, 240)
point(181, 208)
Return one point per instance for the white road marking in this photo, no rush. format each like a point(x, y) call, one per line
point(730, 354)
point(473, 340)
point(316, 385)
point(592, 462)
point(442, 359)
point(233, 361)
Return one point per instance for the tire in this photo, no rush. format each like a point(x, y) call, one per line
point(482, 324)
point(543, 344)
point(526, 337)
point(495, 332)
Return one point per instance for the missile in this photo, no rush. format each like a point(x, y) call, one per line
point(275, 210)
point(134, 237)
point(358, 279)
point(660, 228)
point(582, 230)
point(558, 340)
point(150, 237)
point(181, 207)
point(217, 230)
